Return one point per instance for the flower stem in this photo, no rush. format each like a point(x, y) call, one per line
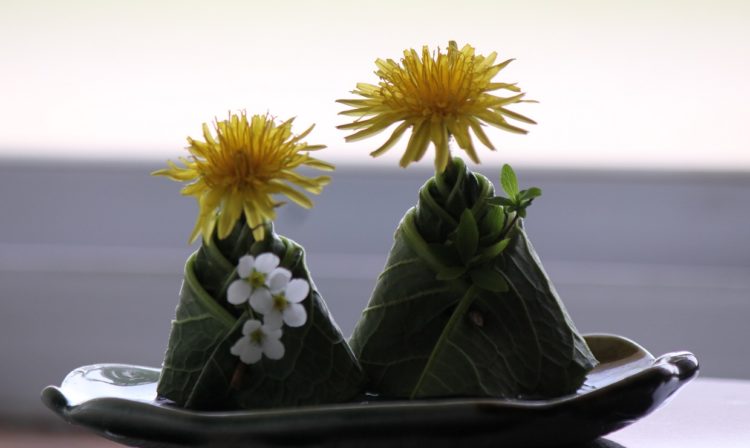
point(236, 382)
point(511, 225)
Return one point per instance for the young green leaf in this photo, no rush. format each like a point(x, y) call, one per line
point(499, 200)
point(450, 273)
point(530, 194)
point(489, 279)
point(492, 220)
point(509, 182)
point(467, 236)
point(491, 226)
point(444, 254)
point(496, 249)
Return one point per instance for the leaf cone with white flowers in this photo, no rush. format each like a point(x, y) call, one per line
point(252, 331)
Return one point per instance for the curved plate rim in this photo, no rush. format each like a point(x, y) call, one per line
point(673, 368)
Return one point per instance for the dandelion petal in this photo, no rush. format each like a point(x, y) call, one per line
point(261, 151)
point(432, 94)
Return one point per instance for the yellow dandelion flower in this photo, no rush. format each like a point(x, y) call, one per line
point(437, 96)
point(238, 172)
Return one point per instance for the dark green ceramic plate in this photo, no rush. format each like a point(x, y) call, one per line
point(118, 402)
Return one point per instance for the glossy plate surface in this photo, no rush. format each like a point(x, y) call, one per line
point(118, 402)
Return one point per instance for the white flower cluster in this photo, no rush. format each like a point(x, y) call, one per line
point(270, 291)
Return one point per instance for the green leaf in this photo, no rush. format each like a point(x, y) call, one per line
point(422, 337)
point(443, 253)
point(489, 279)
point(567, 350)
point(200, 324)
point(494, 250)
point(530, 194)
point(491, 226)
point(467, 236)
point(217, 370)
point(499, 200)
point(493, 220)
point(509, 182)
point(200, 372)
point(451, 273)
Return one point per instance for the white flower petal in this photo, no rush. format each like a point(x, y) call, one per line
point(251, 353)
point(297, 290)
point(238, 292)
point(272, 331)
point(273, 348)
point(265, 263)
point(278, 279)
point(239, 346)
point(261, 300)
point(245, 265)
point(295, 315)
point(273, 319)
point(248, 352)
point(250, 326)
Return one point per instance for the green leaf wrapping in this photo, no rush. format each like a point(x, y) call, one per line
point(199, 372)
point(498, 329)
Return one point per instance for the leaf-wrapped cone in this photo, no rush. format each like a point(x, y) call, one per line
point(199, 372)
point(437, 325)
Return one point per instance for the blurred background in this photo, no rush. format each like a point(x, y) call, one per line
point(642, 151)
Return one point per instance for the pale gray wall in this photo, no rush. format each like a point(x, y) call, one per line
point(91, 257)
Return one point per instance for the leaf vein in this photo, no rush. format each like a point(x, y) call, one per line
point(409, 298)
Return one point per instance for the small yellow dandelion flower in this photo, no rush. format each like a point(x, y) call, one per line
point(438, 96)
point(240, 170)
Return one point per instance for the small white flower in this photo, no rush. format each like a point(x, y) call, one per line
point(258, 340)
point(281, 302)
point(255, 274)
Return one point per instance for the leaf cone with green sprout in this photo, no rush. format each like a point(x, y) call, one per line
point(464, 306)
point(199, 372)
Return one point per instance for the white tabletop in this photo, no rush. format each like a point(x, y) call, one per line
point(707, 412)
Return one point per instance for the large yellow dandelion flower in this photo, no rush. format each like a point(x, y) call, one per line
point(241, 169)
point(437, 96)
